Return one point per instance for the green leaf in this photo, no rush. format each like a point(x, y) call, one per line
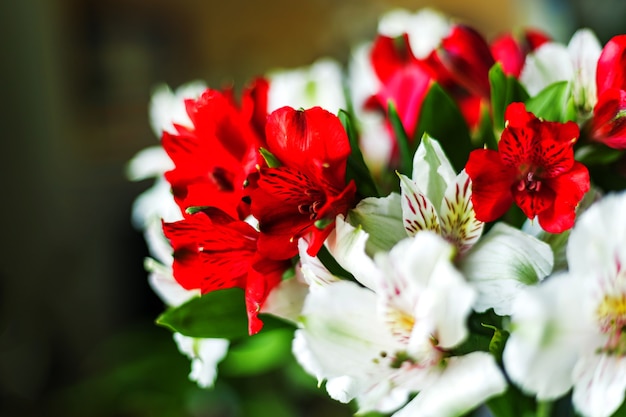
point(356, 169)
point(402, 138)
point(269, 157)
point(597, 155)
point(217, 314)
point(498, 340)
point(505, 90)
point(554, 103)
point(513, 403)
point(441, 118)
point(258, 354)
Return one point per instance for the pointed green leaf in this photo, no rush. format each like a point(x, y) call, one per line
point(441, 118)
point(217, 314)
point(554, 103)
point(505, 90)
point(402, 138)
point(356, 169)
point(270, 159)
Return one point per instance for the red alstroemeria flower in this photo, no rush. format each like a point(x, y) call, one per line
point(213, 251)
point(511, 49)
point(303, 196)
point(608, 125)
point(214, 158)
point(467, 59)
point(533, 167)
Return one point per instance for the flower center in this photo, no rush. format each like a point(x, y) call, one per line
point(611, 315)
point(401, 323)
point(529, 183)
point(317, 200)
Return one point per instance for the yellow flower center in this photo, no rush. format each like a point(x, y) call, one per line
point(611, 314)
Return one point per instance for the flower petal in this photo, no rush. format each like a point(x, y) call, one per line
point(491, 182)
point(465, 383)
point(381, 218)
point(418, 213)
point(600, 384)
point(584, 49)
point(502, 264)
point(457, 217)
point(611, 72)
point(549, 324)
point(432, 171)
point(548, 64)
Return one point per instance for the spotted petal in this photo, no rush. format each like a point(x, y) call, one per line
point(418, 213)
point(457, 218)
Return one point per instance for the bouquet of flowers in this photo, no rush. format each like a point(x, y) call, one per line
point(441, 226)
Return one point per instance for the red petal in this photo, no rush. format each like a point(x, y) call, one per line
point(571, 188)
point(608, 125)
point(509, 53)
point(534, 202)
point(262, 277)
point(611, 71)
point(511, 49)
point(491, 183)
point(553, 148)
point(466, 55)
point(209, 255)
point(407, 89)
point(389, 55)
point(313, 141)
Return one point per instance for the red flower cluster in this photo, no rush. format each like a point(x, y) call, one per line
point(608, 125)
point(533, 167)
point(460, 65)
point(220, 178)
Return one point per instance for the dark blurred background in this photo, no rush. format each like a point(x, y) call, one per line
point(76, 314)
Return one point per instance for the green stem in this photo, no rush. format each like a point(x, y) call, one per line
point(544, 408)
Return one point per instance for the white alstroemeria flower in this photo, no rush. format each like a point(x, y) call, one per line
point(425, 28)
point(577, 62)
point(167, 108)
point(321, 84)
point(437, 199)
point(503, 263)
point(204, 354)
point(569, 331)
point(381, 344)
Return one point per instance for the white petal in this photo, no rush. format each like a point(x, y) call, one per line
point(596, 246)
point(465, 383)
point(502, 264)
point(456, 215)
point(205, 354)
point(286, 300)
point(584, 49)
point(149, 162)
point(421, 267)
point(321, 84)
point(165, 286)
point(312, 270)
point(432, 171)
point(550, 325)
point(425, 28)
point(168, 108)
point(342, 334)
point(549, 63)
point(600, 385)
point(418, 213)
point(381, 218)
point(347, 245)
